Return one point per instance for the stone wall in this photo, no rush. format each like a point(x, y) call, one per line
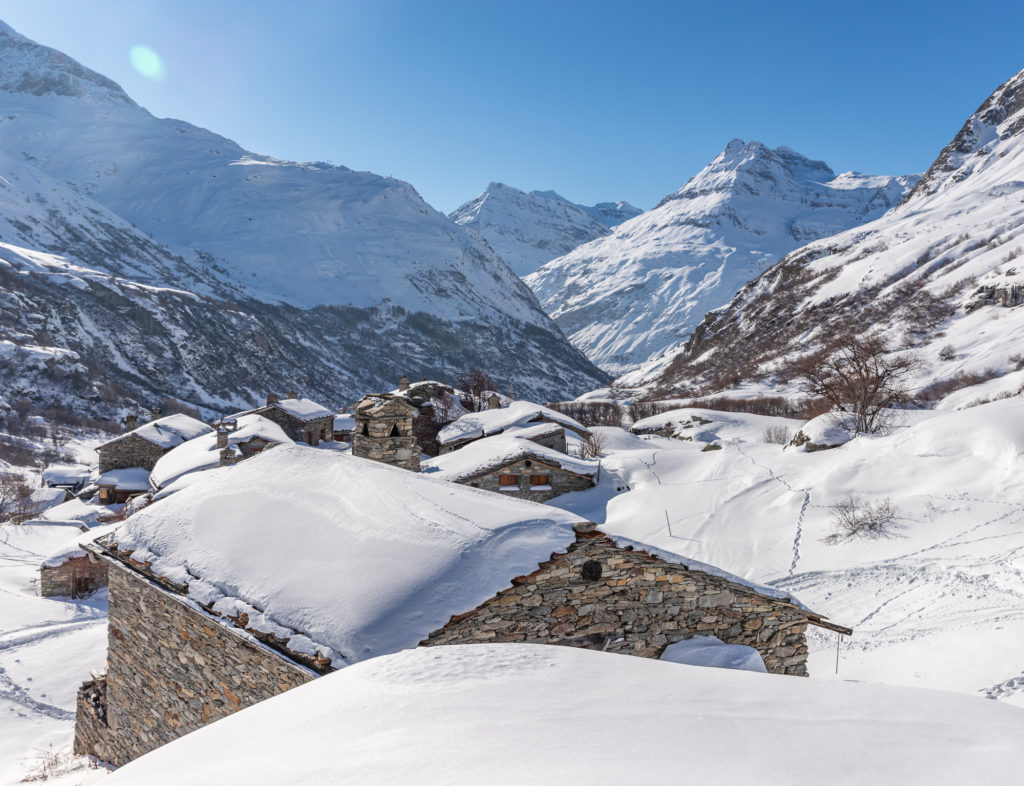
point(599, 596)
point(129, 451)
point(387, 438)
point(312, 432)
point(170, 670)
point(76, 577)
point(555, 440)
point(561, 482)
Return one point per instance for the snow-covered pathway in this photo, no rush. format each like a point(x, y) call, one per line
point(47, 648)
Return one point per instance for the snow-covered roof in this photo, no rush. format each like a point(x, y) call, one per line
point(516, 713)
point(74, 510)
point(343, 555)
point(167, 432)
point(493, 421)
point(73, 547)
point(534, 431)
point(302, 408)
point(127, 479)
point(66, 474)
point(344, 422)
point(491, 453)
point(44, 499)
point(202, 452)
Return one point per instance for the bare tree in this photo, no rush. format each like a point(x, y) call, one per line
point(14, 494)
point(593, 445)
point(476, 382)
point(859, 377)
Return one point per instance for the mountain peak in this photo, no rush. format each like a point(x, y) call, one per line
point(989, 132)
point(28, 67)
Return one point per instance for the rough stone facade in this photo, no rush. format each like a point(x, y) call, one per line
point(526, 471)
point(76, 577)
point(599, 596)
point(131, 450)
point(312, 432)
point(555, 439)
point(170, 670)
point(384, 431)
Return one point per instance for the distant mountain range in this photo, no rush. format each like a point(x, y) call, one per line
point(169, 261)
point(637, 292)
point(529, 229)
point(941, 274)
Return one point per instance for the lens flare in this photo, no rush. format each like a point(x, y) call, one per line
point(147, 62)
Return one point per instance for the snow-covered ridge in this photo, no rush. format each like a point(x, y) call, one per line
point(529, 229)
point(154, 250)
point(939, 274)
point(628, 297)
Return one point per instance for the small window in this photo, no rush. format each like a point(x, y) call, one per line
point(394, 431)
point(508, 480)
point(540, 480)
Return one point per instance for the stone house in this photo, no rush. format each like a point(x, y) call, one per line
point(74, 577)
point(489, 422)
point(233, 440)
point(516, 466)
point(143, 446)
point(384, 431)
point(182, 654)
point(303, 420)
point(619, 598)
point(117, 486)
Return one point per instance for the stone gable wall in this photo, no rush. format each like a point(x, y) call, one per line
point(132, 451)
point(401, 450)
point(75, 577)
point(638, 605)
point(555, 441)
point(298, 429)
point(170, 670)
point(561, 482)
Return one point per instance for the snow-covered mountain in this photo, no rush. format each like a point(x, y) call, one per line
point(641, 290)
point(942, 273)
point(529, 229)
point(197, 269)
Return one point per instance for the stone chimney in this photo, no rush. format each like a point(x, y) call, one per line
point(292, 394)
point(493, 401)
point(224, 427)
point(155, 413)
point(131, 422)
point(403, 384)
point(272, 398)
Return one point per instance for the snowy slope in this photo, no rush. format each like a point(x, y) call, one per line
point(514, 714)
point(935, 602)
point(944, 268)
point(641, 290)
point(294, 265)
point(529, 229)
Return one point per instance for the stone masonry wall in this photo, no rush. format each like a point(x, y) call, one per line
point(75, 577)
point(561, 482)
point(132, 451)
point(378, 444)
point(599, 596)
point(170, 670)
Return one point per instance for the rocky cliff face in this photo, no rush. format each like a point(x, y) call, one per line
point(180, 264)
point(640, 291)
point(940, 274)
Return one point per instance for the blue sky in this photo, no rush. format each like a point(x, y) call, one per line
point(596, 100)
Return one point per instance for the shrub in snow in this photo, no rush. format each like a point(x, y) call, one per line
point(948, 352)
point(775, 435)
point(852, 517)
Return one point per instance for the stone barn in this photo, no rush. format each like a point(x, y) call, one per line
point(220, 596)
point(303, 420)
point(143, 446)
point(515, 466)
point(384, 431)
